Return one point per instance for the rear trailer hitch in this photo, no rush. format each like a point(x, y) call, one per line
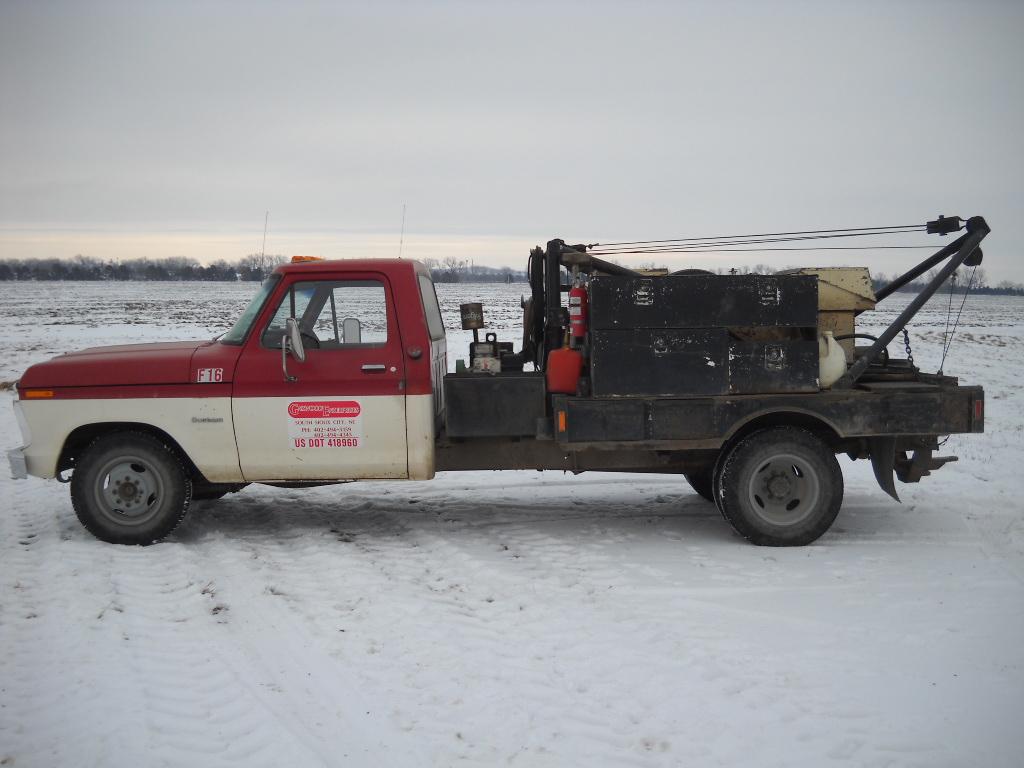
point(920, 464)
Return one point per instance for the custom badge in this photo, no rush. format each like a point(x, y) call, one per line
point(325, 424)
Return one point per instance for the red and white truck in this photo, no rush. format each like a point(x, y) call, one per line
point(337, 371)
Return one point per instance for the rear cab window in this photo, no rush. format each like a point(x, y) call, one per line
point(435, 325)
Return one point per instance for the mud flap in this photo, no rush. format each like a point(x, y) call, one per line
point(888, 465)
point(883, 462)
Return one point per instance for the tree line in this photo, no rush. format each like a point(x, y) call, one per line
point(256, 267)
point(451, 269)
point(975, 278)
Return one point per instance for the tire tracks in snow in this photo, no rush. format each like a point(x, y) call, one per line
point(440, 614)
point(606, 637)
point(275, 584)
point(138, 679)
point(427, 639)
point(596, 631)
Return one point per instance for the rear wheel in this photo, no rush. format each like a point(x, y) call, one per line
point(780, 487)
point(130, 488)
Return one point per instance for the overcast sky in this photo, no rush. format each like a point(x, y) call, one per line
point(170, 128)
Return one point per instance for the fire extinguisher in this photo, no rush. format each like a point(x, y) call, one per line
point(578, 312)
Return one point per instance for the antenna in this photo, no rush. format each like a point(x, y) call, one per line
point(401, 237)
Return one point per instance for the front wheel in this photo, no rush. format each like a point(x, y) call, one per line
point(780, 487)
point(130, 488)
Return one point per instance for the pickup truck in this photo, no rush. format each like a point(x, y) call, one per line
point(338, 371)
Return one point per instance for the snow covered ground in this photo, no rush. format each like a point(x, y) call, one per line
point(514, 618)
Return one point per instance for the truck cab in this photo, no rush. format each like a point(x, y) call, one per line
point(355, 393)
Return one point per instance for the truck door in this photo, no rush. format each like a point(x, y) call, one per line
point(342, 416)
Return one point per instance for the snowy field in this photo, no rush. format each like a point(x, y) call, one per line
point(517, 618)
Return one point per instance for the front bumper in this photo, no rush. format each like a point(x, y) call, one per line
point(19, 467)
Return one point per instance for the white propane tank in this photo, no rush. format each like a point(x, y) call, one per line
point(831, 360)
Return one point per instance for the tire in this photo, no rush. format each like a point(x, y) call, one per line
point(780, 487)
point(702, 481)
point(130, 488)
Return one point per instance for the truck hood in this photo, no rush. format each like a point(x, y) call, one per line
point(127, 364)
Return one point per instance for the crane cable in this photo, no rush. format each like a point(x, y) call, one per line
point(947, 344)
point(832, 232)
point(756, 250)
point(727, 243)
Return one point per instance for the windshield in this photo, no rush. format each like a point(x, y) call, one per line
point(240, 329)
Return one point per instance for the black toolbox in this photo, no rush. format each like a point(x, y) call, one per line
point(506, 404)
point(703, 334)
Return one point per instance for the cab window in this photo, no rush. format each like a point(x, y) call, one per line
point(333, 314)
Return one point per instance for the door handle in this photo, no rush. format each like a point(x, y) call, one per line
point(374, 368)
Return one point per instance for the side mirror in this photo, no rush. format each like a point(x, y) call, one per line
point(295, 339)
point(291, 341)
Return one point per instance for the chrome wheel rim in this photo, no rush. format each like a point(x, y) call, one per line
point(128, 490)
point(784, 490)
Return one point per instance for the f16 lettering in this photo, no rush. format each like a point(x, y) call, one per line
point(210, 375)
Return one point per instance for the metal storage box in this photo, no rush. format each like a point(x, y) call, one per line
point(659, 361)
point(493, 405)
point(703, 335)
point(773, 366)
point(704, 301)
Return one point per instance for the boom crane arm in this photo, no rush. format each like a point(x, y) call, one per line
point(964, 250)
